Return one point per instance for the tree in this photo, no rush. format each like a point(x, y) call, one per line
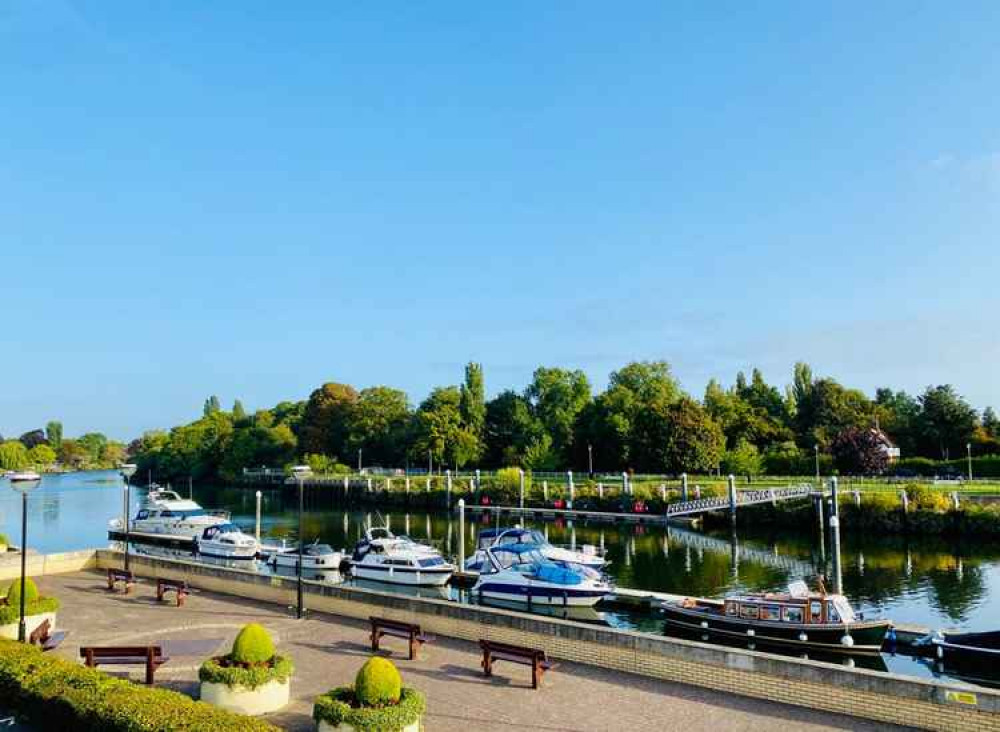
point(93, 444)
point(72, 454)
point(32, 438)
point(693, 442)
point(438, 429)
point(41, 456)
point(54, 434)
point(473, 399)
point(827, 408)
point(991, 424)
point(898, 414)
point(947, 422)
point(239, 413)
point(211, 406)
point(557, 397)
point(379, 423)
point(326, 421)
point(743, 459)
point(859, 451)
point(13, 455)
point(511, 429)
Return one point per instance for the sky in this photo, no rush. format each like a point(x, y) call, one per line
point(248, 198)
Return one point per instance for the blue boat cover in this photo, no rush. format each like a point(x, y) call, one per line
point(558, 575)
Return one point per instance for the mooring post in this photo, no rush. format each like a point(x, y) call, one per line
point(388, 485)
point(257, 530)
point(572, 490)
point(520, 478)
point(407, 484)
point(346, 484)
point(625, 488)
point(545, 490)
point(684, 487)
point(732, 498)
point(834, 496)
point(906, 500)
point(369, 485)
point(838, 578)
point(857, 498)
point(447, 482)
point(406, 524)
point(954, 499)
point(428, 484)
point(663, 492)
point(461, 534)
point(600, 490)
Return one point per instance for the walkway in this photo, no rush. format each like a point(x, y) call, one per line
point(328, 650)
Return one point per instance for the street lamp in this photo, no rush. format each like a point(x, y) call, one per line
point(590, 459)
point(968, 451)
point(127, 471)
point(300, 472)
point(24, 483)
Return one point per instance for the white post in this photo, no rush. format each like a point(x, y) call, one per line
point(572, 490)
point(520, 472)
point(447, 477)
point(624, 484)
point(545, 490)
point(406, 524)
point(388, 521)
point(684, 486)
point(407, 484)
point(388, 485)
point(600, 490)
point(479, 486)
point(257, 530)
point(369, 485)
point(663, 492)
point(732, 498)
point(906, 501)
point(461, 534)
point(428, 485)
point(346, 483)
point(954, 499)
point(857, 498)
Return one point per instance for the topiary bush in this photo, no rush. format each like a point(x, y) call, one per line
point(253, 645)
point(14, 592)
point(34, 603)
point(378, 683)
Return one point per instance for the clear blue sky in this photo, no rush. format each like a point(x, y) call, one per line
point(252, 198)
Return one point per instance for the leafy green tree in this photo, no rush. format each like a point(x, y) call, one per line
point(13, 455)
point(54, 434)
point(692, 441)
point(73, 454)
point(557, 396)
point(326, 421)
point(991, 424)
point(473, 400)
point(252, 445)
point(859, 451)
point(239, 413)
point(947, 422)
point(438, 429)
point(743, 459)
point(32, 438)
point(41, 456)
point(898, 415)
point(93, 443)
point(379, 424)
point(827, 408)
point(511, 430)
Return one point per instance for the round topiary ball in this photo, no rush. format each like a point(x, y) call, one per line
point(253, 645)
point(378, 683)
point(14, 592)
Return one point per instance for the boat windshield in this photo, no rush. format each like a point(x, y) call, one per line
point(183, 513)
point(321, 549)
point(517, 556)
point(430, 561)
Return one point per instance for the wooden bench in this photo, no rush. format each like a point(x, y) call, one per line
point(179, 587)
point(534, 657)
point(44, 637)
point(409, 631)
point(120, 575)
point(150, 656)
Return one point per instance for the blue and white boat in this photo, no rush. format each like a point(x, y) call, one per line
point(589, 556)
point(521, 573)
point(385, 557)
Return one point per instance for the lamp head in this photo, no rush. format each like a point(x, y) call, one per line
point(25, 481)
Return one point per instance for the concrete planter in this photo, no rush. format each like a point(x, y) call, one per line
point(327, 727)
point(269, 697)
point(31, 622)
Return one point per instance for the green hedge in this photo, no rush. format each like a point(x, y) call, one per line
point(214, 672)
point(55, 694)
point(337, 707)
point(12, 613)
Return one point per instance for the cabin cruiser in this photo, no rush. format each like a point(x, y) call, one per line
point(589, 556)
point(384, 557)
point(165, 512)
point(521, 573)
point(226, 541)
point(798, 618)
point(314, 556)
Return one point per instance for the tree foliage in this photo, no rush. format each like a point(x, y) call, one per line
point(859, 451)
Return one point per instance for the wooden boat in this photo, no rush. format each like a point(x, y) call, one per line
point(797, 618)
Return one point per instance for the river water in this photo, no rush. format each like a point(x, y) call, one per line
point(923, 580)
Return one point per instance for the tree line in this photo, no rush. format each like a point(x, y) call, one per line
point(47, 449)
point(642, 421)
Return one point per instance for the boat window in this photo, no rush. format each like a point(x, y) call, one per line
point(831, 612)
point(844, 609)
point(167, 514)
point(751, 612)
point(431, 562)
point(770, 612)
point(792, 614)
point(732, 608)
point(815, 611)
point(142, 515)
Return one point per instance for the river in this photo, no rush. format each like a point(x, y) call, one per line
point(923, 580)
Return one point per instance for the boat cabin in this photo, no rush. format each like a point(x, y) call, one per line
point(782, 608)
point(222, 533)
point(491, 537)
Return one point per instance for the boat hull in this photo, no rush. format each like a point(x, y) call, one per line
point(291, 560)
point(866, 636)
point(538, 594)
point(403, 575)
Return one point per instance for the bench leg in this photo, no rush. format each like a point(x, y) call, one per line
point(413, 647)
point(180, 598)
point(159, 594)
point(375, 637)
point(536, 674)
point(487, 663)
point(111, 583)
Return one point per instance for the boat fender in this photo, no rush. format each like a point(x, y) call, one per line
point(803, 637)
point(891, 635)
point(704, 624)
point(940, 651)
point(751, 646)
point(750, 632)
point(849, 662)
point(846, 640)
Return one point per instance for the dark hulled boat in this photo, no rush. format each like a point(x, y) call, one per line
point(970, 656)
point(798, 618)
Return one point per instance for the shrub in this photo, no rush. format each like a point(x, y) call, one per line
point(378, 683)
point(926, 498)
point(34, 604)
point(14, 592)
point(339, 707)
point(57, 695)
point(217, 671)
point(4, 541)
point(253, 645)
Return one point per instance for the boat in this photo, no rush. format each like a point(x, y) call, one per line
point(226, 541)
point(521, 573)
point(973, 657)
point(384, 557)
point(165, 512)
point(314, 556)
point(589, 556)
point(798, 618)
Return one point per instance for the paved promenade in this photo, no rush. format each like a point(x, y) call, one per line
point(328, 650)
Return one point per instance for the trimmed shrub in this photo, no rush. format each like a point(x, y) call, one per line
point(55, 694)
point(216, 671)
point(339, 706)
point(14, 592)
point(4, 541)
point(378, 683)
point(253, 645)
point(34, 604)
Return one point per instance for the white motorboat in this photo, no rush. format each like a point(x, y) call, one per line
point(521, 573)
point(315, 556)
point(589, 556)
point(226, 541)
point(165, 512)
point(384, 557)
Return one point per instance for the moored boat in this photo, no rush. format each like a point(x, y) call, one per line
point(314, 556)
point(797, 618)
point(588, 556)
point(521, 573)
point(384, 557)
point(226, 541)
point(165, 512)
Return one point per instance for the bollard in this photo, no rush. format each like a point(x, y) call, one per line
point(461, 534)
point(428, 485)
point(346, 484)
point(369, 485)
point(388, 485)
point(663, 492)
point(388, 522)
point(479, 485)
point(625, 490)
point(257, 529)
point(520, 478)
point(572, 491)
point(838, 578)
point(600, 490)
point(545, 490)
point(684, 486)
point(732, 498)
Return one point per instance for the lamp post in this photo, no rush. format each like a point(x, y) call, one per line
point(590, 460)
point(816, 452)
point(300, 472)
point(127, 471)
point(359, 459)
point(968, 452)
point(24, 483)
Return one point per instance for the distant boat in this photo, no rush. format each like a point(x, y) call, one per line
point(165, 512)
point(226, 541)
point(315, 556)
